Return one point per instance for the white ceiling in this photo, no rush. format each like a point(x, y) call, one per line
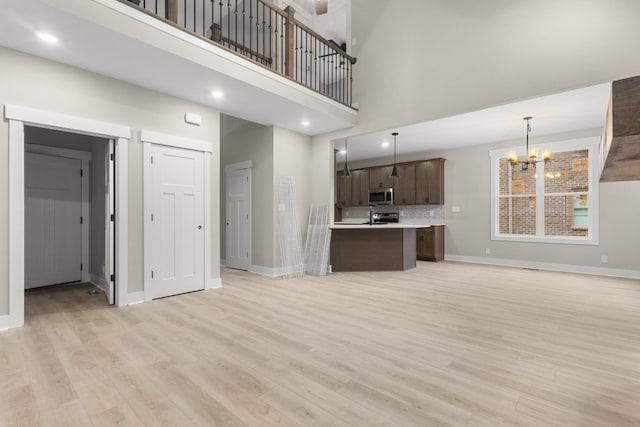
point(102, 48)
point(564, 112)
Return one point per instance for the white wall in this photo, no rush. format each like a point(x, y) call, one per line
point(240, 141)
point(419, 60)
point(468, 233)
point(424, 59)
point(292, 158)
point(33, 82)
point(274, 152)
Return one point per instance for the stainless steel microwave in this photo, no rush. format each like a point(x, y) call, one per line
point(381, 196)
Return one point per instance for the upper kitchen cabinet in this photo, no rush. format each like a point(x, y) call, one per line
point(404, 187)
point(343, 190)
point(380, 177)
point(360, 187)
point(430, 182)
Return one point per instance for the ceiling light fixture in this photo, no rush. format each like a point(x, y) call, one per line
point(346, 171)
point(47, 38)
point(394, 171)
point(305, 123)
point(217, 94)
point(532, 154)
point(385, 144)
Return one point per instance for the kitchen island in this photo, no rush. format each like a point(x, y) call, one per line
point(378, 247)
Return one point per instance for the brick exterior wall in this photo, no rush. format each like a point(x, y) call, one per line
point(567, 172)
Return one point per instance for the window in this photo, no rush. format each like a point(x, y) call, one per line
point(555, 202)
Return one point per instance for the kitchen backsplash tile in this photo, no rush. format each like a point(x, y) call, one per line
point(415, 214)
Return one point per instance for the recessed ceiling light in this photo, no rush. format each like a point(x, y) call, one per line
point(305, 123)
point(47, 38)
point(343, 151)
point(217, 94)
point(385, 144)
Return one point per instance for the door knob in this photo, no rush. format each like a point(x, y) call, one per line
point(199, 227)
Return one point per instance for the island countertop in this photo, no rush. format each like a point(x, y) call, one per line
point(361, 226)
point(364, 247)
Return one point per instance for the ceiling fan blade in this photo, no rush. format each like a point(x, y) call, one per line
point(321, 6)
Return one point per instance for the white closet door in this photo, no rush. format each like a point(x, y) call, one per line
point(178, 220)
point(53, 209)
point(238, 219)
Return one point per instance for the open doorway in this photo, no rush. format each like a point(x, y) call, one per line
point(69, 232)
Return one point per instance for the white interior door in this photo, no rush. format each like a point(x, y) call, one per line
point(178, 221)
point(238, 226)
point(53, 228)
point(109, 238)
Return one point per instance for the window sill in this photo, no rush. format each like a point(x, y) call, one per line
point(546, 239)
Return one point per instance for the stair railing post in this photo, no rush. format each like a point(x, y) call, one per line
point(171, 10)
point(289, 40)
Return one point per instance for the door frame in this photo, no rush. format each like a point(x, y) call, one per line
point(18, 117)
point(248, 164)
point(149, 139)
point(85, 158)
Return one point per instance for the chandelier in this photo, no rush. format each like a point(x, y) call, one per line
point(532, 154)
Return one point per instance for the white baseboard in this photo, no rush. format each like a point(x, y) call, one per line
point(100, 282)
point(135, 298)
point(214, 283)
point(271, 272)
point(4, 322)
point(565, 268)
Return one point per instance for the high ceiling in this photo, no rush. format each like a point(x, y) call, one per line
point(564, 112)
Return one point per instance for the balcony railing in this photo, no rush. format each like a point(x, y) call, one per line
point(266, 35)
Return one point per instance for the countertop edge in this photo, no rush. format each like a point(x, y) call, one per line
point(376, 227)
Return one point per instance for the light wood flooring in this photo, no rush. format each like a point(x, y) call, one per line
point(443, 344)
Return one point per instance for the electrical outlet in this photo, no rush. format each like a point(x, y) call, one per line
point(604, 259)
point(455, 208)
point(346, 213)
point(401, 213)
point(487, 251)
point(432, 213)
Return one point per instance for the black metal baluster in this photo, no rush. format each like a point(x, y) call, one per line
point(255, 27)
point(235, 11)
point(250, 24)
point(306, 58)
point(244, 30)
point(271, 65)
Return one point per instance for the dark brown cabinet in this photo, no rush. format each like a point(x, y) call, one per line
point(380, 177)
point(360, 187)
point(430, 182)
point(343, 190)
point(404, 186)
point(430, 243)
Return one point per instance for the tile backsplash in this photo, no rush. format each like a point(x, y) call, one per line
point(414, 214)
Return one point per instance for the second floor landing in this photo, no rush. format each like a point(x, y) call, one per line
point(112, 38)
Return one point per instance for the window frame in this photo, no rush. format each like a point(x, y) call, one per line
point(592, 144)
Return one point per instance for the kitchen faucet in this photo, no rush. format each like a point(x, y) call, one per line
point(371, 214)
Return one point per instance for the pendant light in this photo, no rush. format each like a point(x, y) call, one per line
point(346, 171)
point(532, 154)
point(394, 171)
